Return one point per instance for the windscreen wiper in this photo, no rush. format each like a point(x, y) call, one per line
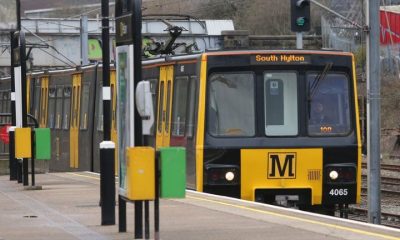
point(321, 76)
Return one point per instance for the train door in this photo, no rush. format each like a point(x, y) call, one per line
point(114, 137)
point(44, 100)
point(164, 106)
point(74, 127)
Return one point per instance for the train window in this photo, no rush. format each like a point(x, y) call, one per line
point(36, 103)
point(192, 105)
point(100, 116)
point(31, 94)
point(66, 108)
point(153, 90)
point(113, 108)
point(52, 105)
point(168, 107)
point(329, 105)
point(179, 106)
point(160, 108)
point(85, 106)
point(231, 104)
point(280, 103)
point(3, 105)
point(8, 106)
point(59, 105)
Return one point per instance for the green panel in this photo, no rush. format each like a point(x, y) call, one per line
point(173, 172)
point(95, 50)
point(43, 143)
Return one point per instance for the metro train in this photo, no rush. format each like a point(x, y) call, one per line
point(277, 127)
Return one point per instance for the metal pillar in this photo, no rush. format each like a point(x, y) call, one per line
point(84, 40)
point(373, 113)
point(299, 40)
point(107, 182)
point(107, 148)
point(137, 56)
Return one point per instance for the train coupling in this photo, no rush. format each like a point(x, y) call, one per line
point(290, 201)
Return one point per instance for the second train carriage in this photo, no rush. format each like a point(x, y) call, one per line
point(69, 102)
point(249, 121)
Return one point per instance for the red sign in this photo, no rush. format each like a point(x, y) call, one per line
point(4, 134)
point(390, 27)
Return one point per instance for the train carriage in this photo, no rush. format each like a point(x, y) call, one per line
point(270, 126)
point(277, 127)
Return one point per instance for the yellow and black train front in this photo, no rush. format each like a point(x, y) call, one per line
point(280, 127)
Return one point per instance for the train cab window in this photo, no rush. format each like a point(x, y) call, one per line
point(66, 108)
point(85, 107)
point(52, 105)
point(231, 104)
point(179, 106)
point(192, 106)
point(280, 103)
point(59, 102)
point(329, 105)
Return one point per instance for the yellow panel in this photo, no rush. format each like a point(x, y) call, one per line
point(114, 136)
point(280, 169)
point(28, 93)
point(358, 198)
point(74, 126)
point(23, 144)
point(200, 125)
point(140, 173)
point(44, 101)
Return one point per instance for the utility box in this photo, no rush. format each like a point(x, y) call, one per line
point(23, 143)
point(140, 173)
point(173, 172)
point(42, 143)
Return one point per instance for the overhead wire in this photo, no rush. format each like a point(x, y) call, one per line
point(54, 48)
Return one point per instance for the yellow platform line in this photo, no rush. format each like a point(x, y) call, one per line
point(298, 219)
point(278, 215)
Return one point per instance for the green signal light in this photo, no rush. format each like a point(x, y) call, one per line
point(301, 21)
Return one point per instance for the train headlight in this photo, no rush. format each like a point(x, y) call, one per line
point(333, 175)
point(341, 173)
point(221, 174)
point(229, 176)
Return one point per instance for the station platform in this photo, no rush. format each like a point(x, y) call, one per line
point(67, 207)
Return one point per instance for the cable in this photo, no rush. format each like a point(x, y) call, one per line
point(57, 58)
point(55, 49)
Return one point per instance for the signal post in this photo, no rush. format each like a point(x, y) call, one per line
point(300, 19)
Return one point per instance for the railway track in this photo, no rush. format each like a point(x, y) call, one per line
point(390, 192)
point(388, 219)
point(389, 167)
point(391, 181)
point(384, 191)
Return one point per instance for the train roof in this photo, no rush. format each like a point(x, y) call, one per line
point(295, 51)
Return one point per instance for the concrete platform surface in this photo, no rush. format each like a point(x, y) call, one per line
point(67, 207)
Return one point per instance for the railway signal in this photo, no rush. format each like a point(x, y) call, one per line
point(300, 15)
